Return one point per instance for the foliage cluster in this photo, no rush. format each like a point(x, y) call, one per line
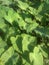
point(24, 32)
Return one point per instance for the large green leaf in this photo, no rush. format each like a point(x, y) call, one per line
point(36, 57)
point(6, 55)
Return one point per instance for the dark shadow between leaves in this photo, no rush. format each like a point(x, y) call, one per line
point(19, 43)
point(36, 3)
point(2, 34)
point(25, 55)
point(30, 47)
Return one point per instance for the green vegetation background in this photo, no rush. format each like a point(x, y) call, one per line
point(24, 32)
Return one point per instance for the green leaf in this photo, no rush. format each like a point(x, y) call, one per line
point(29, 43)
point(10, 17)
point(20, 3)
point(1, 50)
point(44, 50)
point(2, 43)
point(33, 11)
point(6, 2)
point(16, 44)
point(36, 57)
point(42, 31)
point(7, 54)
point(32, 26)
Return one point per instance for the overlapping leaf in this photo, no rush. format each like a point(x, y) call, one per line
point(24, 32)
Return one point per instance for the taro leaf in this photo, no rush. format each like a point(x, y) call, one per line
point(2, 46)
point(28, 20)
point(25, 5)
point(44, 50)
point(2, 43)
point(6, 2)
point(42, 31)
point(2, 25)
point(40, 7)
point(36, 57)
point(10, 16)
point(2, 11)
point(39, 17)
point(32, 26)
point(6, 55)
point(33, 11)
point(16, 42)
point(13, 60)
point(21, 23)
point(30, 41)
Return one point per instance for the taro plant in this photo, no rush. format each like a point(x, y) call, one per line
point(24, 32)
